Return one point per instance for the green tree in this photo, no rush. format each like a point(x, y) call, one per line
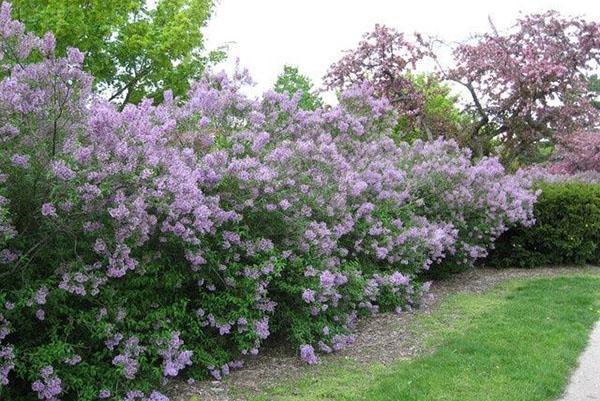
point(134, 48)
point(439, 116)
point(291, 81)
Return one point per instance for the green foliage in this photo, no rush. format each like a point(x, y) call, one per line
point(567, 230)
point(441, 115)
point(134, 48)
point(291, 81)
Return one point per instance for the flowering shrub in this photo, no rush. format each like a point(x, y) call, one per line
point(479, 200)
point(169, 240)
point(548, 173)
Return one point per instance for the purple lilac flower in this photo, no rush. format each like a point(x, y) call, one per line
point(398, 279)
point(327, 279)
point(284, 204)
point(225, 370)
point(156, 396)
point(48, 210)
point(175, 359)
point(260, 141)
point(224, 329)
point(358, 188)
point(20, 161)
point(340, 341)
point(262, 328)
point(381, 252)
point(236, 364)
point(6, 363)
point(62, 171)
point(203, 122)
point(74, 360)
point(40, 295)
point(4, 327)
point(215, 373)
point(308, 296)
point(75, 56)
point(307, 353)
point(133, 395)
point(128, 359)
point(49, 386)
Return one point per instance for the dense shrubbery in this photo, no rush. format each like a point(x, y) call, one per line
point(172, 238)
point(567, 229)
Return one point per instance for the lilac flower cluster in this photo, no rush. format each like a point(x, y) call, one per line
point(49, 386)
point(214, 221)
point(6, 358)
point(175, 360)
point(128, 359)
point(307, 353)
point(553, 175)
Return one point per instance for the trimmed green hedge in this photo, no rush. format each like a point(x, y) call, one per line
point(567, 230)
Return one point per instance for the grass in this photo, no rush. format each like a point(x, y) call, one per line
point(519, 341)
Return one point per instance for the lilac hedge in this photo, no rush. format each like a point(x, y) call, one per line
point(172, 240)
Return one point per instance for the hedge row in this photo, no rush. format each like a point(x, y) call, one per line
point(173, 240)
point(567, 230)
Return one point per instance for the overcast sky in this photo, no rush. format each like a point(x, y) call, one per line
point(311, 34)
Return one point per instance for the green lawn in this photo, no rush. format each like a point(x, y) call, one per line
point(517, 342)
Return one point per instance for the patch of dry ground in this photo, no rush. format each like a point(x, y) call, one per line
point(383, 338)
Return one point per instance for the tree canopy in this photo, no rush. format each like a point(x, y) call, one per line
point(133, 48)
point(291, 81)
point(524, 86)
point(528, 85)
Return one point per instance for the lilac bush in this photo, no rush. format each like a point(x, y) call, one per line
point(480, 200)
point(550, 174)
point(173, 240)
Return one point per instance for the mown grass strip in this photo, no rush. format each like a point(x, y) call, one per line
point(517, 342)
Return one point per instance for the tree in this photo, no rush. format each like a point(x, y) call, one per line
point(291, 81)
point(524, 86)
point(578, 153)
point(439, 115)
point(387, 59)
point(528, 85)
point(134, 48)
point(383, 57)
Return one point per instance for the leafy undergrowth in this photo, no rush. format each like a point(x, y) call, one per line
point(516, 342)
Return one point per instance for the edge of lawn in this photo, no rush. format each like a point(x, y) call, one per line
point(520, 339)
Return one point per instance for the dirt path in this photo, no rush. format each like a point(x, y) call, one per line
point(383, 338)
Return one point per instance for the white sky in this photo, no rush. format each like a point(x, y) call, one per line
point(311, 34)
